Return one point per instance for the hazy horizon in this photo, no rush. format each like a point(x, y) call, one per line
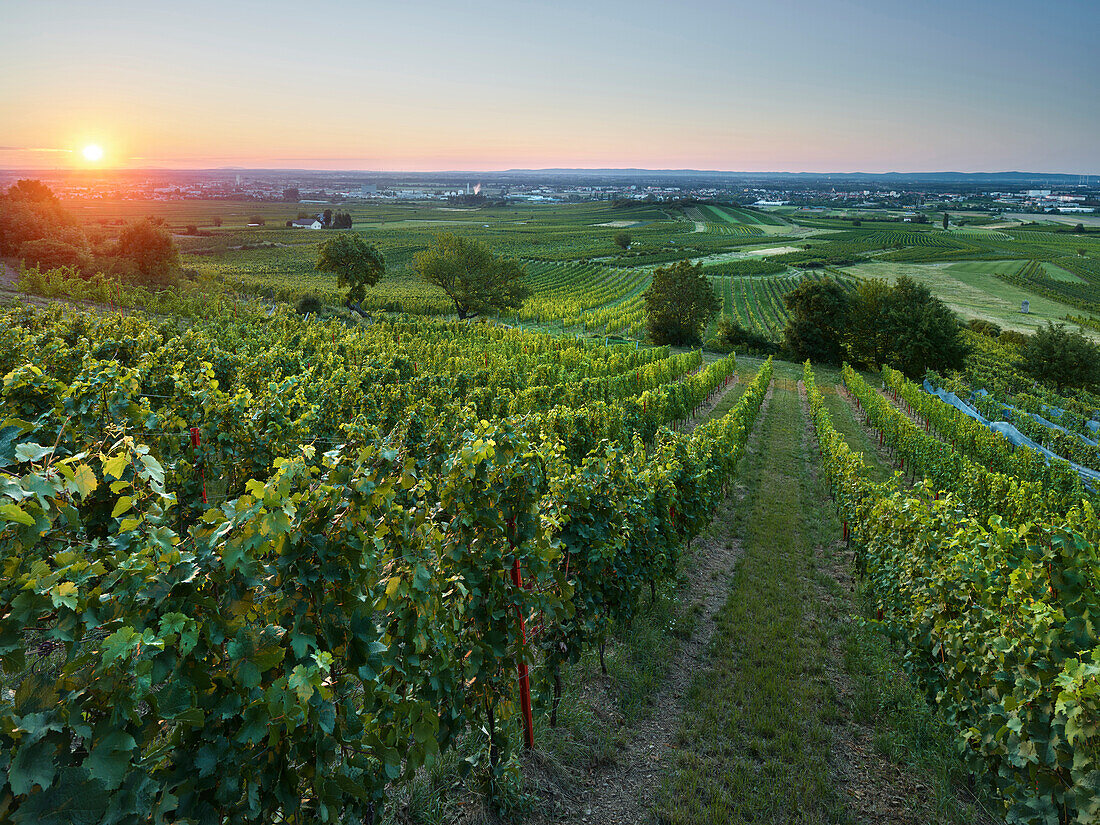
point(788, 86)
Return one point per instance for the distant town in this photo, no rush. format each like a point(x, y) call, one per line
point(1011, 193)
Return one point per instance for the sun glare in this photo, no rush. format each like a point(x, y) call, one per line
point(93, 152)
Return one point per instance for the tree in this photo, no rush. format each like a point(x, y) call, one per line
point(622, 240)
point(257, 219)
point(150, 247)
point(217, 221)
point(326, 217)
point(945, 220)
point(357, 265)
point(1061, 358)
point(1079, 229)
point(866, 339)
point(470, 274)
point(291, 195)
point(680, 302)
point(32, 190)
point(818, 321)
point(923, 332)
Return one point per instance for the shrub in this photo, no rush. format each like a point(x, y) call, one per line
point(309, 303)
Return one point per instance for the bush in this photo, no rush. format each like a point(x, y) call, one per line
point(731, 336)
point(1061, 358)
point(309, 303)
point(48, 253)
point(984, 327)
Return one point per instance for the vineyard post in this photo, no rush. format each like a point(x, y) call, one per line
point(196, 442)
point(524, 678)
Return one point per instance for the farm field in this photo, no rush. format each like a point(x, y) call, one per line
point(974, 291)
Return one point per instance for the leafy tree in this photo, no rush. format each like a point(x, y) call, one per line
point(1061, 358)
point(923, 332)
point(357, 265)
point(1079, 229)
point(150, 247)
point(866, 339)
point(257, 219)
point(818, 321)
point(945, 220)
point(291, 194)
point(470, 274)
point(29, 211)
point(326, 217)
point(192, 229)
point(217, 221)
point(680, 302)
point(32, 190)
point(622, 240)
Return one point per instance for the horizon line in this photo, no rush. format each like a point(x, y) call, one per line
point(543, 170)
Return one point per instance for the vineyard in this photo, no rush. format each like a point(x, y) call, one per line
point(982, 562)
point(258, 532)
point(266, 566)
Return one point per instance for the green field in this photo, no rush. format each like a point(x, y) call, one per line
point(574, 262)
point(974, 290)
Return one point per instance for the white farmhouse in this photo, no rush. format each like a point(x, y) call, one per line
point(307, 223)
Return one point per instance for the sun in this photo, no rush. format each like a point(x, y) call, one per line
point(93, 152)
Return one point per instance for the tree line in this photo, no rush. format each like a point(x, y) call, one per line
point(37, 229)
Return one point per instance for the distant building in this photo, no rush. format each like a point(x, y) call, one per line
point(368, 189)
point(307, 223)
point(1038, 193)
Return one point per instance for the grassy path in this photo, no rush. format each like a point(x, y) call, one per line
point(803, 715)
point(751, 691)
point(754, 737)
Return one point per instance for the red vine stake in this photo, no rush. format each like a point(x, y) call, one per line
point(524, 678)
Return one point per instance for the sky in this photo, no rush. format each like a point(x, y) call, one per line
point(770, 85)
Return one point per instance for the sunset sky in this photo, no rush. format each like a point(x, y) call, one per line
point(770, 85)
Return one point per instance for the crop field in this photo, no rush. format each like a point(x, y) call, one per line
point(579, 278)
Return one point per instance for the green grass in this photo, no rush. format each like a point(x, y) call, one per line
point(756, 738)
point(973, 290)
